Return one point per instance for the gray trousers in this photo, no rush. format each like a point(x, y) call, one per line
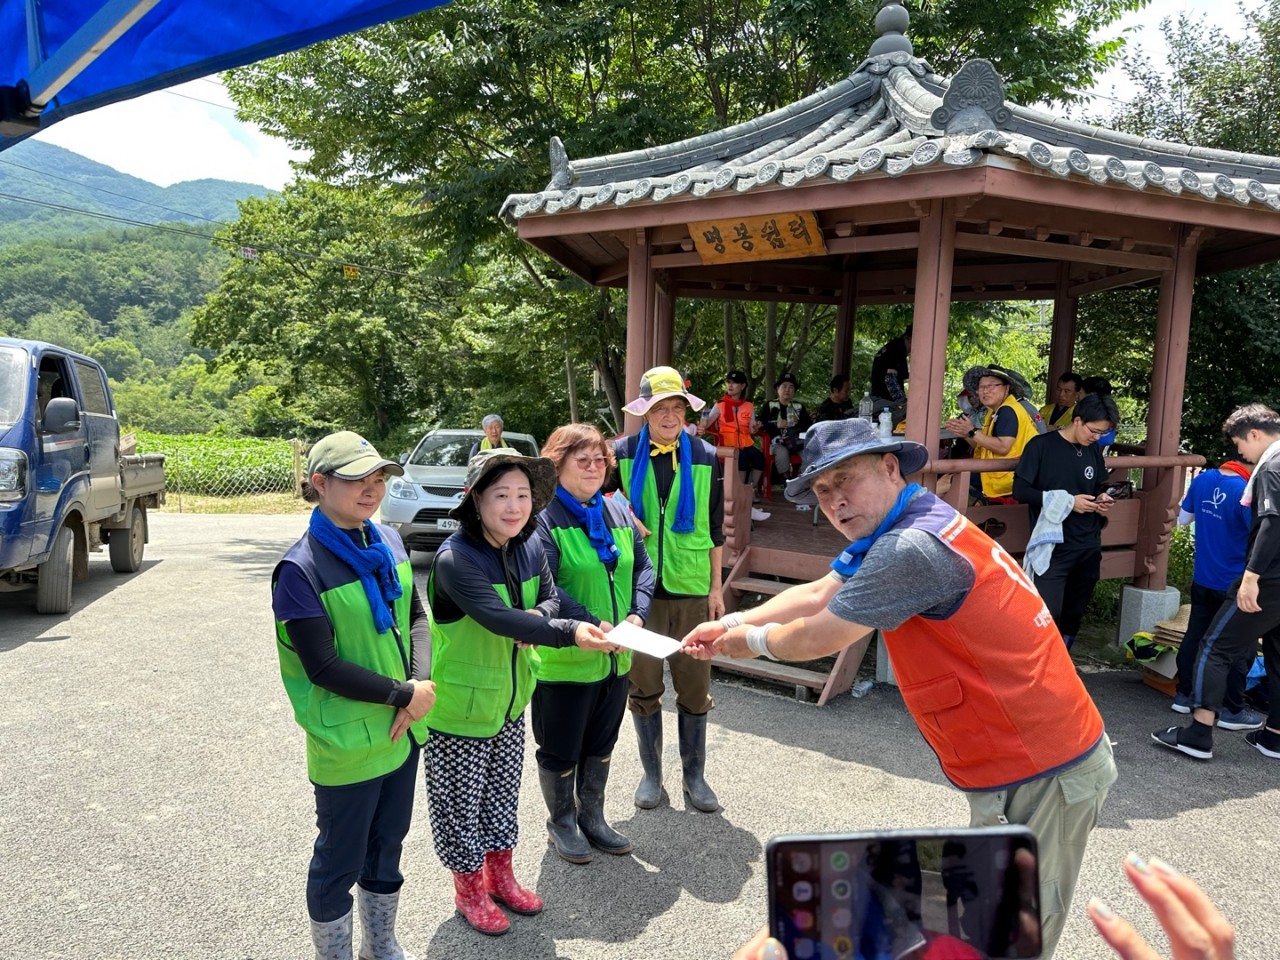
point(1061, 811)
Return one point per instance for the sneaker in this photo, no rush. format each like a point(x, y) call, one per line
point(1255, 740)
point(1243, 719)
point(1169, 738)
point(758, 514)
point(1181, 703)
point(803, 507)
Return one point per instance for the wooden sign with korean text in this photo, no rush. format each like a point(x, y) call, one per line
point(774, 237)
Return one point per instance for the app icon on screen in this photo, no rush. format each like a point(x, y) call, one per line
point(803, 919)
point(841, 918)
point(841, 889)
point(840, 860)
point(805, 949)
point(801, 862)
point(843, 946)
point(802, 891)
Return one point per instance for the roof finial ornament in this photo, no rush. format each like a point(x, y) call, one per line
point(561, 169)
point(891, 25)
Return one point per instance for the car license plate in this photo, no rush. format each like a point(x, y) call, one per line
point(446, 524)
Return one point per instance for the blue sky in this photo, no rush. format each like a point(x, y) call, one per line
point(191, 132)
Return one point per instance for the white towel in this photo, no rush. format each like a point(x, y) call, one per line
point(1271, 451)
point(1054, 508)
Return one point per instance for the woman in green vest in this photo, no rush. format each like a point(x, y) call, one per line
point(603, 575)
point(355, 650)
point(492, 601)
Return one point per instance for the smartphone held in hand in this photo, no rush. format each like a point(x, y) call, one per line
point(965, 894)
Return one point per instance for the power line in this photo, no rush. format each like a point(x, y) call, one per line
point(187, 96)
point(86, 186)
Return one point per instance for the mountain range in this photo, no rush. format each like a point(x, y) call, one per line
point(48, 192)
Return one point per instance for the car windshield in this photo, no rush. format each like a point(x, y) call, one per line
point(13, 383)
point(454, 449)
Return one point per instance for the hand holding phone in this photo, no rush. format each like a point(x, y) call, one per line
point(900, 895)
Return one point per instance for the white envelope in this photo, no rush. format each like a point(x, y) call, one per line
point(628, 635)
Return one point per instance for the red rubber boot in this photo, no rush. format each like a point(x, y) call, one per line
point(502, 886)
point(472, 901)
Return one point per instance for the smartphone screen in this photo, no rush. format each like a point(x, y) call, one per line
point(898, 895)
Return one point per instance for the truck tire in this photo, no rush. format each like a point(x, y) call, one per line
point(126, 544)
point(53, 577)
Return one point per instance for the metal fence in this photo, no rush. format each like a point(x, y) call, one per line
point(227, 467)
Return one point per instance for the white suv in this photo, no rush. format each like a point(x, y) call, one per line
point(417, 505)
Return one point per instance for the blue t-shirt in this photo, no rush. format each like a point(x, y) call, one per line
point(1222, 528)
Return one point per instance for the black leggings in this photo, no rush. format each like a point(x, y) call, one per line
point(1231, 642)
point(576, 720)
point(1205, 604)
point(1067, 585)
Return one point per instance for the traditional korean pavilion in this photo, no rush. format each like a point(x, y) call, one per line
point(897, 185)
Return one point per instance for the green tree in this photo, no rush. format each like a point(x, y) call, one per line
point(338, 300)
point(455, 109)
point(1220, 92)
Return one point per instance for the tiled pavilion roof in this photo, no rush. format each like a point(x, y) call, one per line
point(892, 116)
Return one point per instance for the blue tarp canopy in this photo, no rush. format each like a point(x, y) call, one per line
point(63, 57)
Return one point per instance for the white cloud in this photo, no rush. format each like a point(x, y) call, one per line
point(188, 132)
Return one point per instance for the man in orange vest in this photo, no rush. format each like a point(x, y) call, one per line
point(981, 666)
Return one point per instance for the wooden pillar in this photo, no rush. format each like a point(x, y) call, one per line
point(1063, 341)
point(664, 322)
point(640, 304)
point(935, 262)
point(842, 356)
point(1162, 489)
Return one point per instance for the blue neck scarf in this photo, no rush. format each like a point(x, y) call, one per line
point(640, 470)
point(590, 516)
point(374, 563)
point(850, 560)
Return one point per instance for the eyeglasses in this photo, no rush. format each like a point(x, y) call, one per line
point(584, 461)
point(992, 385)
point(1094, 431)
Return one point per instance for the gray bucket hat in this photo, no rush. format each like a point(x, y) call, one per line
point(1019, 388)
point(541, 471)
point(834, 441)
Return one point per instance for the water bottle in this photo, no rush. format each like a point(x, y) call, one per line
point(862, 688)
point(886, 424)
point(867, 408)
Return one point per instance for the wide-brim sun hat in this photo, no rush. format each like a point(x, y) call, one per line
point(1019, 388)
point(658, 384)
point(348, 456)
point(541, 471)
point(832, 442)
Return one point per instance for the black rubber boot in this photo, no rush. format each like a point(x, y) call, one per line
point(693, 756)
point(562, 825)
point(593, 775)
point(649, 734)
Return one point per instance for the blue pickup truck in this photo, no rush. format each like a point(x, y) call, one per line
point(65, 489)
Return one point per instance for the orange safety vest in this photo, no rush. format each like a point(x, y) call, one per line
point(734, 422)
point(991, 684)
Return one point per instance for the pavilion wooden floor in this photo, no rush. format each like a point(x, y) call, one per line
point(790, 529)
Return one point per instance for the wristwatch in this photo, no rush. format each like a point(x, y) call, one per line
point(972, 432)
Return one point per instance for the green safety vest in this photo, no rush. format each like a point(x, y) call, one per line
point(681, 561)
point(482, 679)
point(586, 579)
point(349, 741)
